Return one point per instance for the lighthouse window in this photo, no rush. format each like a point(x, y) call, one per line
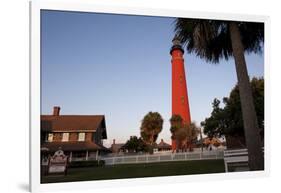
point(182, 99)
point(181, 79)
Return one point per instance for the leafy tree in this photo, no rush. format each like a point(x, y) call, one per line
point(228, 120)
point(215, 125)
point(193, 132)
point(135, 144)
point(213, 40)
point(151, 126)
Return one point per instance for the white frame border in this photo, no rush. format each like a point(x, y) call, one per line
point(94, 6)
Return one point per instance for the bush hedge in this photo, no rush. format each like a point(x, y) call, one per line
point(93, 163)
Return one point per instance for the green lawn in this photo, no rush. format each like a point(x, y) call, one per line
point(138, 170)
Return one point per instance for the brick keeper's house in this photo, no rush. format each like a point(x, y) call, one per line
point(79, 136)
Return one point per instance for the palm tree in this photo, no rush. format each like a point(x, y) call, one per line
point(151, 126)
point(213, 40)
point(184, 134)
point(176, 122)
point(181, 135)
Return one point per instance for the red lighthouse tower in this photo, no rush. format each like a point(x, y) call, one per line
point(180, 103)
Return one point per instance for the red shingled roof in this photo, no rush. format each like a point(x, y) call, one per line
point(162, 144)
point(73, 123)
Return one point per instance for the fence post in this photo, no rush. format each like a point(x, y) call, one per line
point(87, 155)
point(225, 166)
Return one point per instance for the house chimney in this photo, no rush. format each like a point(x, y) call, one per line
point(56, 111)
point(113, 141)
point(162, 141)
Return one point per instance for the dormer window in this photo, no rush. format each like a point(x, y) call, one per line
point(65, 136)
point(50, 137)
point(81, 137)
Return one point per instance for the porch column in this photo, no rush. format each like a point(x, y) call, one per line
point(70, 156)
point(97, 154)
point(87, 155)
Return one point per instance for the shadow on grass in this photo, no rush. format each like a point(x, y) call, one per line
point(124, 171)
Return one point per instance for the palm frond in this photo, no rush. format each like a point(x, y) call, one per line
point(210, 39)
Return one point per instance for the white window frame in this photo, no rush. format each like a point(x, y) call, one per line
point(50, 137)
point(65, 137)
point(81, 136)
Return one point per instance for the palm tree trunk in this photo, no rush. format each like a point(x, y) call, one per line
point(253, 140)
point(151, 143)
point(201, 140)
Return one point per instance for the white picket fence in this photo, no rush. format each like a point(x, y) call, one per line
point(217, 154)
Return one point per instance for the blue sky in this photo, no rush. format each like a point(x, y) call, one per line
point(120, 66)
